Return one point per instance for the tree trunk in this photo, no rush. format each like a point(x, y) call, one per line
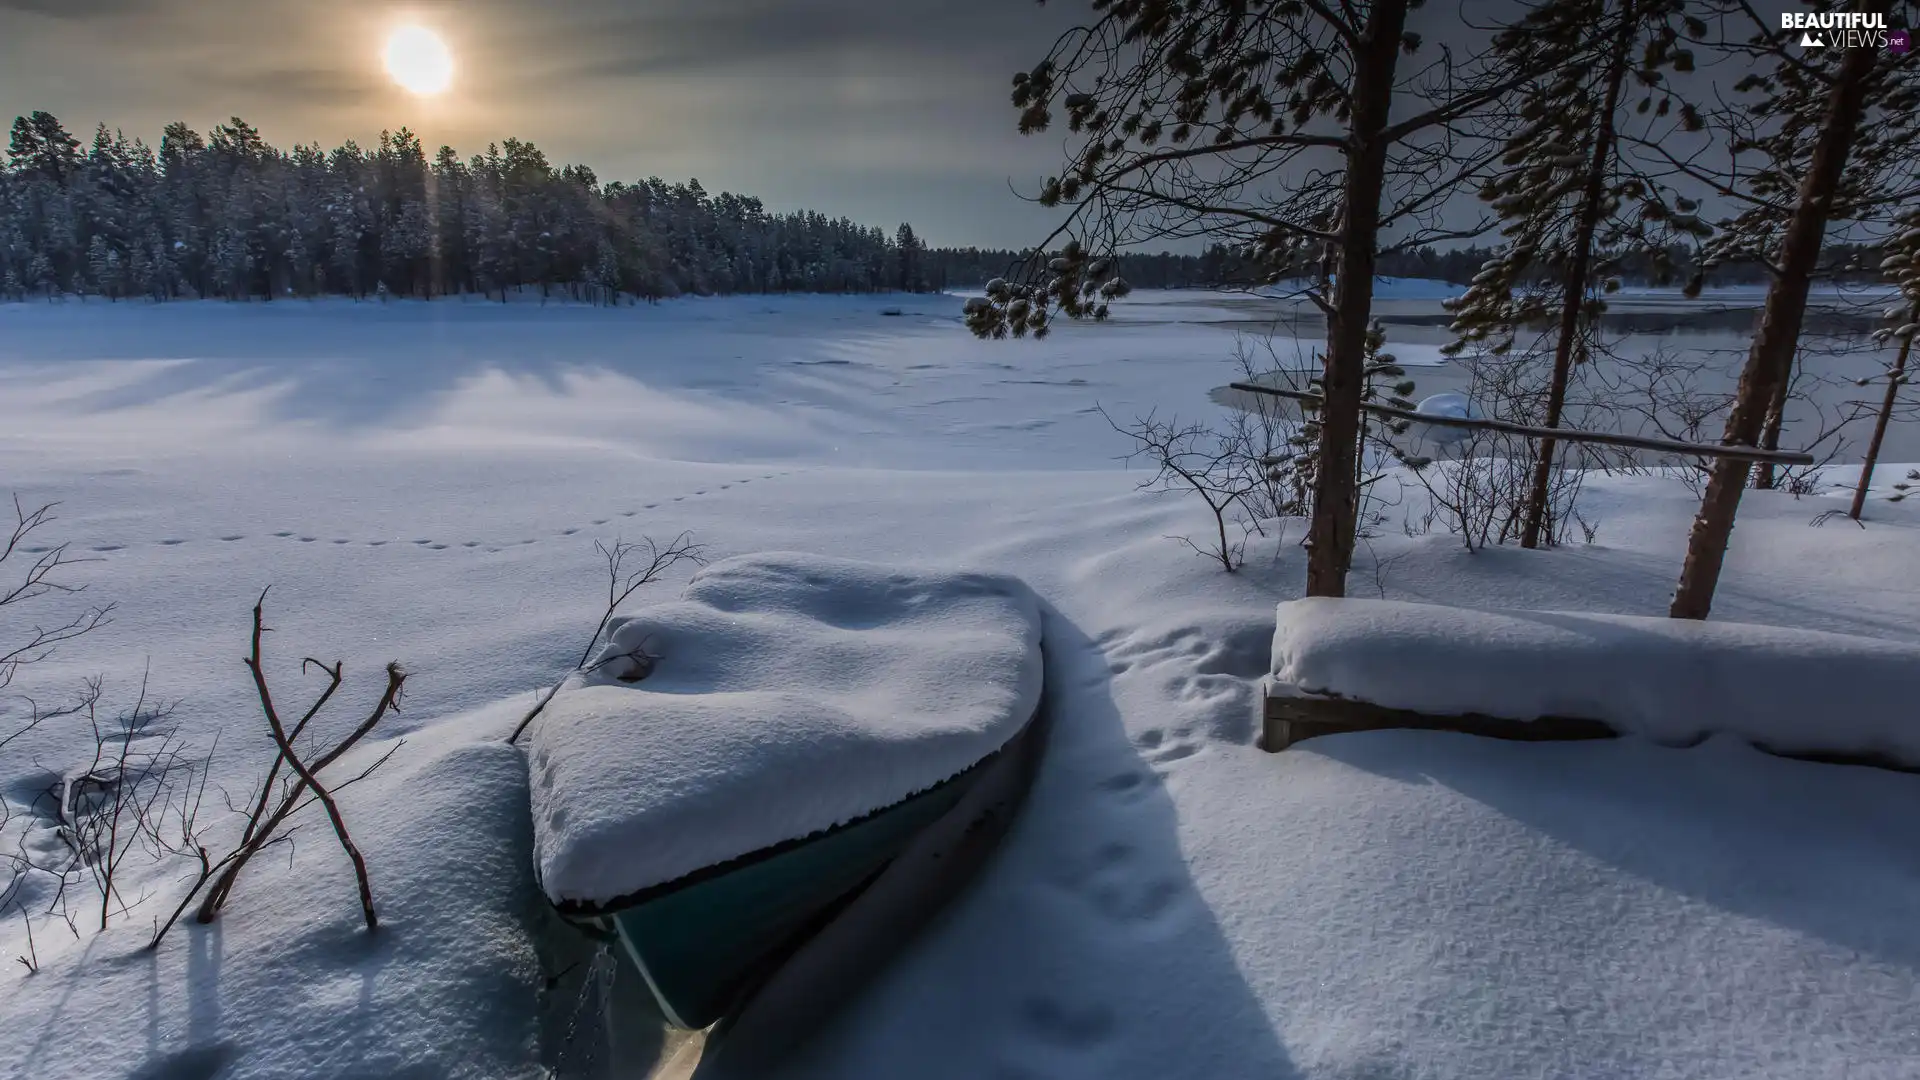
point(1770, 436)
point(1336, 496)
point(1887, 403)
point(1574, 285)
point(1770, 360)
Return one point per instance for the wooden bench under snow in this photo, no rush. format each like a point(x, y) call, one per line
point(1357, 665)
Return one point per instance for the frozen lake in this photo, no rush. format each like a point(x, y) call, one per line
point(1712, 333)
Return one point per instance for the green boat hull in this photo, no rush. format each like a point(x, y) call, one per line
point(704, 942)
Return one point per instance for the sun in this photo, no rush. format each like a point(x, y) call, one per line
point(418, 60)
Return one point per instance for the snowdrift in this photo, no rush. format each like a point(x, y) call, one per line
point(783, 694)
point(1674, 681)
point(288, 983)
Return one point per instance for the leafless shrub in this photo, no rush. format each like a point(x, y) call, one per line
point(1281, 442)
point(1201, 459)
point(279, 796)
point(39, 577)
point(1482, 486)
point(34, 573)
point(626, 575)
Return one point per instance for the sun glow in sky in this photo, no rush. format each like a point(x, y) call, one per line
point(418, 60)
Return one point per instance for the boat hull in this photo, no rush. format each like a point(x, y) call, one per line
point(704, 942)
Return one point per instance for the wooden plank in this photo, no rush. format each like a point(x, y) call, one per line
point(1608, 438)
point(1289, 720)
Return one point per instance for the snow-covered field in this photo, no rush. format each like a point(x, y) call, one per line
point(424, 483)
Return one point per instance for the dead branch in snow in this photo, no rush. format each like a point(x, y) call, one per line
point(41, 577)
point(1606, 438)
point(281, 797)
point(622, 583)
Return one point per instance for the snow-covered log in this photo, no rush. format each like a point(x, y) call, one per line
point(1794, 692)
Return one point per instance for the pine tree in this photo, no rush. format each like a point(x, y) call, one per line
point(232, 216)
point(1186, 116)
point(1901, 268)
point(1572, 208)
point(1835, 129)
point(911, 256)
point(41, 145)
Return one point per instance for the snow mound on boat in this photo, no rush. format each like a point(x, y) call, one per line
point(1673, 680)
point(787, 694)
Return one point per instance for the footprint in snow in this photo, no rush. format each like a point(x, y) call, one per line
point(110, 547)
point(308, 539)
point(376, 543)
point(1123, 892)
point(436, 547)
point(628, 513)
point(471, 544)
point(423, 543)
point(284, 533)
point(1068, 1025)
point(172, 543)
point(343, 541)
point(568, 532)
point(232, 538)
point(600, 521)
point(1128, 786)
point(1162, 749)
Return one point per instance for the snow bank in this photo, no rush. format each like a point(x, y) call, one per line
point(287, 982)
point(788, 693)
point(1673, 680)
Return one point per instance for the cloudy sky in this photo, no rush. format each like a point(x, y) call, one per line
point(884, 110)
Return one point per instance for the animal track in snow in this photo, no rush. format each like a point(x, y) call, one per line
point(1129, 786)
point(1118, 888)
point(432, 545)
point(1074, 1027)
point(1159, 749)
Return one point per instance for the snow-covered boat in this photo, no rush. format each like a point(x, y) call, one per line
point(800, 730)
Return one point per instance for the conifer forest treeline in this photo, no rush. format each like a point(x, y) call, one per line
point(227, 215)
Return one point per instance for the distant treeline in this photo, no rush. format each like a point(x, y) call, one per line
point(229, 216)
point(1220, 266)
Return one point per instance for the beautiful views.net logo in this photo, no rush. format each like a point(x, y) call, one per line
point(1845, 30)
